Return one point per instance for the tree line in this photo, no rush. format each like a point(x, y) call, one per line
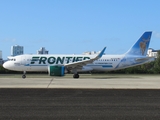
point(148, 68)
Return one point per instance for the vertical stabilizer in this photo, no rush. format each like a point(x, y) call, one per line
point(141, 46)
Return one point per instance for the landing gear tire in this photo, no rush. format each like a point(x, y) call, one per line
point(23, 76)
point(76, 76)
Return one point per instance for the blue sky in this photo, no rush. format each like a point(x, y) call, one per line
point(76, 26)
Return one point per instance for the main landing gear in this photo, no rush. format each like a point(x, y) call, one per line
point(76, 75)
point(24, 75)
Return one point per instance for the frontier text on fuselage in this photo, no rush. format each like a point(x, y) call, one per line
point(56, 60)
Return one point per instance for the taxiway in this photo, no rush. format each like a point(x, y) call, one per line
point(90, 82)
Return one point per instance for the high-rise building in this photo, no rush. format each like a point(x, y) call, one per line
point(16, 50)
point(42, 50)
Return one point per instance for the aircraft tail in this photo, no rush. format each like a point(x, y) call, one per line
point(141, 46)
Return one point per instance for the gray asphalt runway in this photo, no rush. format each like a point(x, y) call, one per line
point(79, 104)
point(86, 81)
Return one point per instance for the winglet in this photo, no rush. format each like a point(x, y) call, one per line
point(101, 53)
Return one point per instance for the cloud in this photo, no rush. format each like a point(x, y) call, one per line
point(156, 34)
point(87, 41)
point(9, 40)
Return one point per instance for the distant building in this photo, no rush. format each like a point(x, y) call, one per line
point(91, 53)
point(152, 53)
point(0, 54)
point(42, 50)
point(16, 50)
point(1, 59)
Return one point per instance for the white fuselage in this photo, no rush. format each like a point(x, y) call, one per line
point(42, 62)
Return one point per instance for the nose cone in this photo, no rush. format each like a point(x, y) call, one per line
point(7, 65)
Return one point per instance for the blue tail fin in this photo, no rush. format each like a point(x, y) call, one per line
point(141, 46)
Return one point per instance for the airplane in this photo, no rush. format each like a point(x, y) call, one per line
point(58, 65)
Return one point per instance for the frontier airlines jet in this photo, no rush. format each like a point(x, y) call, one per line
point(58, 65)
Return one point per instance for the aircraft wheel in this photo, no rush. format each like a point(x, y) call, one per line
point(23, 76)
point(76, 76)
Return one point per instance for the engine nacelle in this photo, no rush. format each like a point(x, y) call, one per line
point(56, 70)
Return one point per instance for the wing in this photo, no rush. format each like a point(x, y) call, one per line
point(80, 64)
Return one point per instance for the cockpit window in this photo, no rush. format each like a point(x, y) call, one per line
point(11, 59)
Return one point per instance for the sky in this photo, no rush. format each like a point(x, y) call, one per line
point(76, 26)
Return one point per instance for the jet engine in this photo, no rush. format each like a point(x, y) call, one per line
point(56, 70)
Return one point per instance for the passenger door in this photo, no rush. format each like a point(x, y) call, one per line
point(25, 63)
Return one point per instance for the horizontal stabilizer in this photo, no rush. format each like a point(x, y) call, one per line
point(144, 59)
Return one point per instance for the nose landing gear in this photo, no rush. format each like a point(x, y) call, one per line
point(24, 75)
